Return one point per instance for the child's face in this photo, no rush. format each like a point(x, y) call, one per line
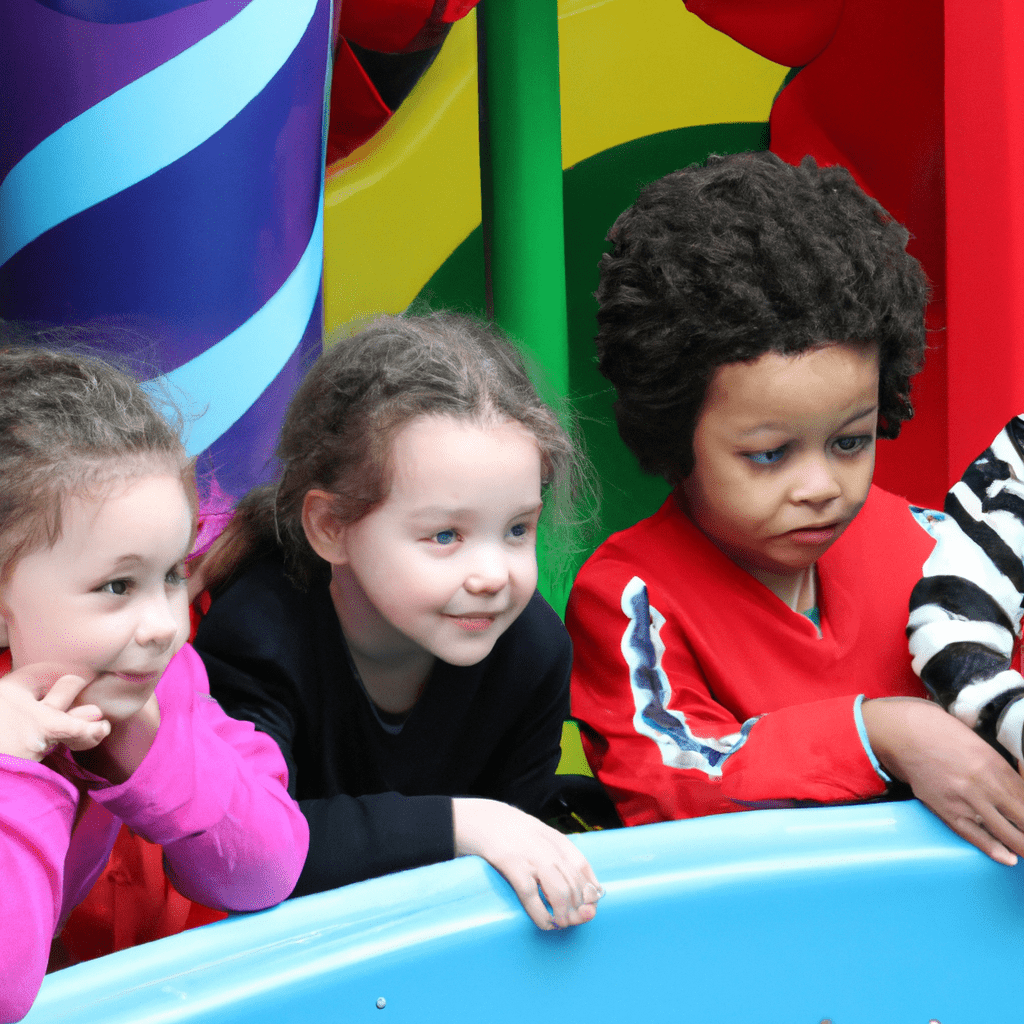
point(448, 561)
point(784, 453)
point(109, 599)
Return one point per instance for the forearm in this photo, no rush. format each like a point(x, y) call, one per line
point(355, 838)
point(677, 766)
point(964, 613)
point(212, 792)
point(37, 810)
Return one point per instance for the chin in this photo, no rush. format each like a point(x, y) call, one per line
point(464, 658)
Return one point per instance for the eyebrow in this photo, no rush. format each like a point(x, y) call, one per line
point(446, 511)
point(842, 426)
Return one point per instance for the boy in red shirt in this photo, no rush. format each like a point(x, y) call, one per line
point(744, 647)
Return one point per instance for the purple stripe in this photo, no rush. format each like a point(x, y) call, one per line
point(55, 66)
point(186, 256)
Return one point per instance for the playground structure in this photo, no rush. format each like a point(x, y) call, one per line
point(832, 914)
point(854, 915)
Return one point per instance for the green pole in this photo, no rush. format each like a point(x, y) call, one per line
point(521, 178)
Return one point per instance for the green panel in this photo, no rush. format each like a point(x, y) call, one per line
point(596, 191)
point(521, 177)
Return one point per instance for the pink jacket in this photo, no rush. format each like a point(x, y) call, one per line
point(211, 791)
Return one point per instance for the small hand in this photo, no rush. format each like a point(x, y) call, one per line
point(952, 770)
point(529, 854)
point(36, 713)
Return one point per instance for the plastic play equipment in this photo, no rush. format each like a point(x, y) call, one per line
point(842, 914)
point(874, 915)
point(161, 170)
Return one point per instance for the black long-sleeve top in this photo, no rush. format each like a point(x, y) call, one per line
point(377, 790)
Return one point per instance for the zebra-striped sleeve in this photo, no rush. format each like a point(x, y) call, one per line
point(966, 611)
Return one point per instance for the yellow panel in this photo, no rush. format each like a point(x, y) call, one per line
point(396, 208)
point(573, 760)
point(631, 68)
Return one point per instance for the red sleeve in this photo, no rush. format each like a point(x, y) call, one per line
point(663, 745)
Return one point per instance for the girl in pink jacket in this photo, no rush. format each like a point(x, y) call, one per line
point(105, 713)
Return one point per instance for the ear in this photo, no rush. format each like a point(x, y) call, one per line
point(325, 534)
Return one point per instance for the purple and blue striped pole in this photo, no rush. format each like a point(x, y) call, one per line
point(161, 181)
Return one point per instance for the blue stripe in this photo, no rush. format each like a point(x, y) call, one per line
point(678, 745)
point(150, 123)
point(226, 379)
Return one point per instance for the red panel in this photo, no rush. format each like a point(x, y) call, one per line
point(985, 216)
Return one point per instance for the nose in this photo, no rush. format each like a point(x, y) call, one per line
point(488, 571)
point(817, 482)
point(158, 624)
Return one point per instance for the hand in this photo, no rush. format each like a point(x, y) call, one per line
point(36, 713)
point(952, 770)
point(529, 854)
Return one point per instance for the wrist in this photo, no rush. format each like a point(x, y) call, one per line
point(130, 739)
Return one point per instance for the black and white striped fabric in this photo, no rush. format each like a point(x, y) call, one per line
point(966, 612)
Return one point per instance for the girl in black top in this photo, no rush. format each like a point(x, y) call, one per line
point(375, 611)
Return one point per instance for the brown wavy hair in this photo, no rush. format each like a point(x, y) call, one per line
point(70, 424)
point(340, 427)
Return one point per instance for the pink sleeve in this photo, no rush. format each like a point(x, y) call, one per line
point(663, 745)
point(37, 811)
point(213, 792)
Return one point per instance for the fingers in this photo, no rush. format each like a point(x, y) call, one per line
point(977, 835)
point(569, 885)
point(64, 691)
point(552, 879)
point(75, 732)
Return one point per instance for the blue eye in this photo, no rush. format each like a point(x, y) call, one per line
point(767, 458)
point(519, 530)
point(446, 537)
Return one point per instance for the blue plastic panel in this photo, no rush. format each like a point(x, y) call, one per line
point(854, 915)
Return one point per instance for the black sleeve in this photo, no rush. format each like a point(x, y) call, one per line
point(258, 661)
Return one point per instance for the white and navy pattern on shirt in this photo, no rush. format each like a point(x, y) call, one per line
point(965, 614)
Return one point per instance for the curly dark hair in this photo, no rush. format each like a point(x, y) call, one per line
point(743, 256)
point(340, 427)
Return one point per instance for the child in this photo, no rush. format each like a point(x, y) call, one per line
point(374, 611)
point(966, 611)
point(104, 710)
point(743, 647)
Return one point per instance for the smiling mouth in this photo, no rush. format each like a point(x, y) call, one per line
point(474, 623)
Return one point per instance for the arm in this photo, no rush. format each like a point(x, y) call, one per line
point(212, 792)
point(965, 612)
point(661, 742)
point(37, 811)
point(360, 834)
point(351, 837)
